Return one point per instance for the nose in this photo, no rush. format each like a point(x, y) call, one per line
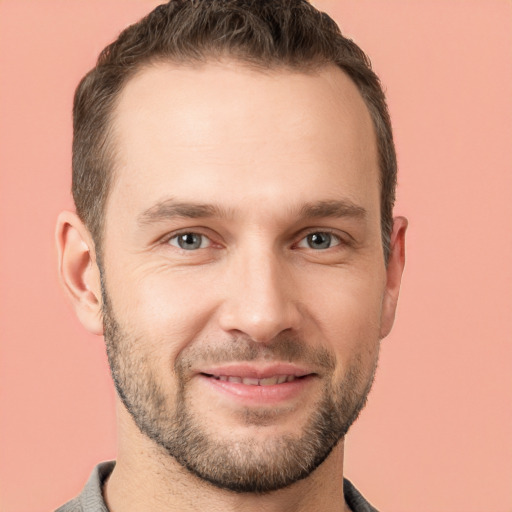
point(260, 299)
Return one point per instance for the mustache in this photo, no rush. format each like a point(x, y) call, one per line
point(240, 349)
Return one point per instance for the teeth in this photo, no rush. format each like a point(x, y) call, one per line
point(250, 381)
point(270, 381)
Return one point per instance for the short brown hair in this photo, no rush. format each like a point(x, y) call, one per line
point(265, 33)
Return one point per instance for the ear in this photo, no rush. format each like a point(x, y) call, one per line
point(78, 271)
point(394, 271)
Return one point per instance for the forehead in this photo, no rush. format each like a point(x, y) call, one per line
point(227, 132)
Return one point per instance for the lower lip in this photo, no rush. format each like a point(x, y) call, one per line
point(259, 395)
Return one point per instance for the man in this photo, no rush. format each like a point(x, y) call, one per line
point(234, 176)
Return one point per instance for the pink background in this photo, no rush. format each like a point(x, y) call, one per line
point(437, 433)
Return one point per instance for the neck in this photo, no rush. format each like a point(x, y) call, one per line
point(146, 479)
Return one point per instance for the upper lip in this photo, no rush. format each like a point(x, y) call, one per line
point(254, 371)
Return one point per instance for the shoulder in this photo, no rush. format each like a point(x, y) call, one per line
point(355, 500)
point(91, 497)
point(71, 506)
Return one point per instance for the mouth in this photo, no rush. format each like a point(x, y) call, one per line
point(255, 385)
point(252, 381)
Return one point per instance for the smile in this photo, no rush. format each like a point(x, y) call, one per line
point(258, 385)
point(250, 381)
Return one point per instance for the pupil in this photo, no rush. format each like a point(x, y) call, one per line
point(189, 241)
point(320, 240)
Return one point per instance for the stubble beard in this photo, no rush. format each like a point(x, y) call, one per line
point(243, 466)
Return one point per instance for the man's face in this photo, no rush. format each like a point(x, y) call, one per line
point(243, 269)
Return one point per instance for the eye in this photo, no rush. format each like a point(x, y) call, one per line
point(190, 241)
point(320, 240)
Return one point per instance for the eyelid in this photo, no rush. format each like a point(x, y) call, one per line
point(342, 238)
point(196, 230)
point(335, 239)
point(203, 239)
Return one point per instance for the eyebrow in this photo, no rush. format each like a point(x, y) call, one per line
point(333, 208)
point(169, 209)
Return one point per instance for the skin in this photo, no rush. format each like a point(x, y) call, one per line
point(261, 147)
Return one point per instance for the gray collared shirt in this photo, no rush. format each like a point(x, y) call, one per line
point(91, 498)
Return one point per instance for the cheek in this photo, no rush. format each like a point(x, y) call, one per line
point(167, 308)
point(346, 316)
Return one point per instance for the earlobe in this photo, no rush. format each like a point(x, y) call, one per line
point(78, 271)
point(394, 272)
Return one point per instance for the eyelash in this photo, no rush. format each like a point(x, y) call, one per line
point(185, 233)
point(339, 240)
